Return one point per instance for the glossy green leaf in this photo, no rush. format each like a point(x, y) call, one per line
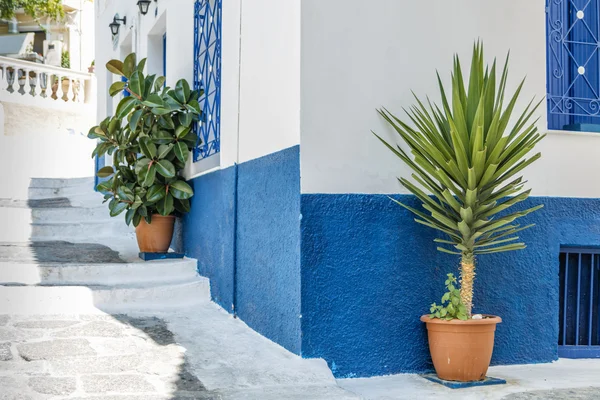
point(116, 88)
point(125, 106)
point(148, 175)
point(165, 168)
point(129, 216)
point(153, 100)
point(182, 91)
point(181, 131)
point(181, 190)
point(135, 119)
point(159, 83)
point(155, 193)
point(105, 172)
point(115, 66)
point(141, 65)
point(136, 83)
point(118, 209)
point(125, 194)
point(161, 111)
point(165, 205)
point(129, 65)
point(148, 148)
point(181, 152)
point(164, 150)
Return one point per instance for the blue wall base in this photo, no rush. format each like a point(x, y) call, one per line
point(463, 385)
point(244, 230)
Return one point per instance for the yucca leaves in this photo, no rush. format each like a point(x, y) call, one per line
point(465, 159)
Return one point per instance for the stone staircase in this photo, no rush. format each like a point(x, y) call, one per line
point(60, 252)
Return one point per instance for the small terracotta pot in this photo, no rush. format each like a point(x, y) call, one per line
point(461, 350)
point(156, 236)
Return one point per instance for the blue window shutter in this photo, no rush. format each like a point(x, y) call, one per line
point(207, 75)
point(573, 65)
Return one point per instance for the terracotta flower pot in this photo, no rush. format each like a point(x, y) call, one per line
point(156, 236)
point(461, 350)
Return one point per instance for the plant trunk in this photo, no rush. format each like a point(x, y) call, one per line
point(467, 276)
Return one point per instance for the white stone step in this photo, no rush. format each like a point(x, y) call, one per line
point(57, 273)
point(56, 183)
point(49, 193)
point(26, 215)
point(81, 299)
point(88, 232)
point(80, 231)
point(73, 214)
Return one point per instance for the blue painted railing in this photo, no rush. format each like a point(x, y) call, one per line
point(207, 75)
point(573, 64)
point(579, 299)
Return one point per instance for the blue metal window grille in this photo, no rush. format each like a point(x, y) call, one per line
point(573, 64)
point(207, 75)
point(164, 43)
point(579, 299)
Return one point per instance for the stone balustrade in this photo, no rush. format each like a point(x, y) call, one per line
point(44, 85)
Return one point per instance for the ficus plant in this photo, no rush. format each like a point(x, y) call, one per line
point(149, 138)
point(466, 162)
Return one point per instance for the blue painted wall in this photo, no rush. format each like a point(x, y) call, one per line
point(267, 284)
point(369, 271)
point(207, 232)
point(269, 246)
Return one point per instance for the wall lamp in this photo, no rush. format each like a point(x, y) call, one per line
point(114, 26)
point(144, 5)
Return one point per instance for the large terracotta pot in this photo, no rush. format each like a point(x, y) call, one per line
point(156, 236)
point(461, 350)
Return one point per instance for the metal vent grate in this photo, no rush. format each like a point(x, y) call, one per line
point(579, 322)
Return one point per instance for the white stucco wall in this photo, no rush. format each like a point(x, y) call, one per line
point(356, 59)
point(173, 16)
point(37, 142)
point(260, 106)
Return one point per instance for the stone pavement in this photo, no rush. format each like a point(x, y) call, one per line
point(591, 393)
point(144, 357)
point(561, 380)
point(93, 357)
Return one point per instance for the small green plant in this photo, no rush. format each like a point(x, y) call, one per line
point(65, 59)
point(452, 306)
point(149, 137)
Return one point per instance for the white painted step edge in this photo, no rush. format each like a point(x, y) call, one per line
point(158, 272)
point(57, 183)
point(37, 300)
point(57, 215)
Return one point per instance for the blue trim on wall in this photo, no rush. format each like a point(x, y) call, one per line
point(266, 265)
point(369, 271)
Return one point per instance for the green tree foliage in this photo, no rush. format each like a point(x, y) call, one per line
point(35, 8)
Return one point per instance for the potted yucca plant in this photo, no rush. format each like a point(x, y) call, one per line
point(466, 162)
